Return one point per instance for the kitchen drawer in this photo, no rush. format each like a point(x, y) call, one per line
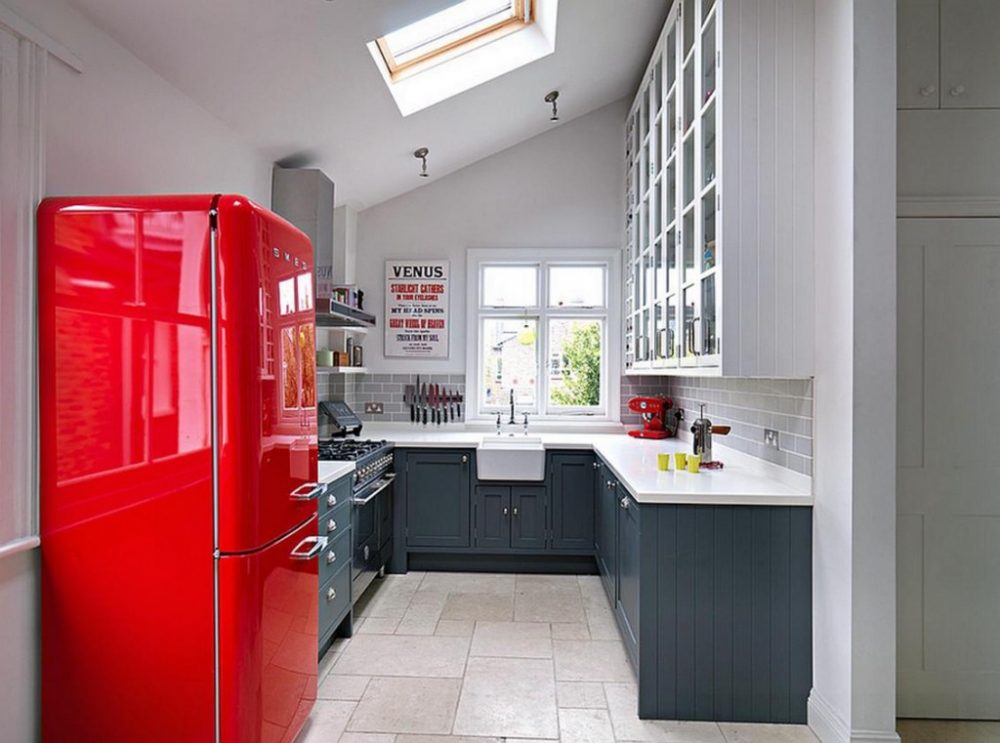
point(336, 521)
point(336, 495)
point(334, 601)
point(336, 555)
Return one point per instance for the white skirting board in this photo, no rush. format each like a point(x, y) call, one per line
point(830, 727)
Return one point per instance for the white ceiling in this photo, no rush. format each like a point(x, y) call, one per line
point(294, 78)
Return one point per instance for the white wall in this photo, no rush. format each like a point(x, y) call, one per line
point(853, 696)
point(561, 189)
point(116, 128)
point(120, 128)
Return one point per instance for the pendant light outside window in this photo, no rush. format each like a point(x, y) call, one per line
point(421, 155)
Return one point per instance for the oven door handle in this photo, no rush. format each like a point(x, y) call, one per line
point(384, 483)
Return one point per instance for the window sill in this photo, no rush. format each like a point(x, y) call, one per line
point(547, 425)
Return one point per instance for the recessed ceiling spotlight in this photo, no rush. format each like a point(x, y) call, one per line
point(552, 98)
point(421, 155)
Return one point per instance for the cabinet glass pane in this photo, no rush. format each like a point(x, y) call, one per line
point(671, 124)
point(670, 59)
point(670, 183)
point(708, 144)
point(656, 87)
point(650, 274)
point(659, 271)
point(670, 274)
point(656, 209)
point(688, 157)
point(688, 15)
point(709, 338)
point(691, 262)
point(672, 328)
point(706, 8)
point(708, 61)
point(689, 96)
point(660, 333)
point(644, 350)
point(708, 254)
point(690, 317)
point(655, 161)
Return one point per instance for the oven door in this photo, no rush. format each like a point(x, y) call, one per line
point(365, 523)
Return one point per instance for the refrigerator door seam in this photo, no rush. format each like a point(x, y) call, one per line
point(213, 238)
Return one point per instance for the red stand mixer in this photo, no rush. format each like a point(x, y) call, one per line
point(654, 417)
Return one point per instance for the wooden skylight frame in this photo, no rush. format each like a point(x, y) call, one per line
point(521, 16)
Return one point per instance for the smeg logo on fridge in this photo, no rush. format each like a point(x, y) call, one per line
point(289, 258)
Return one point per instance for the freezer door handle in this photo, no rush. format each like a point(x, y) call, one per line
point(309, 548)
point(307, 491)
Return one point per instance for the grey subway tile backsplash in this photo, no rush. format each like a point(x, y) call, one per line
point(748, 405)
point(388, 389)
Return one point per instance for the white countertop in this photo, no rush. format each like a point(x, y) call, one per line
point(744, 480)
point(330, 471)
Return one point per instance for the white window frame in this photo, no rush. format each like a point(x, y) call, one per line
point(476, 313)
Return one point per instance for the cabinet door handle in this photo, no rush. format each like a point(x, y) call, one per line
point(331, 526)
point(331, 557)
point(515, 511)
point(928, 90)
point(957, 91)
point(331, 500)
point(506, 511)
point(624, 503)
point(331, 594)
point(465, 459)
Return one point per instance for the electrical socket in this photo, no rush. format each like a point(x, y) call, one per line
point(770, 438)
point(374, 408)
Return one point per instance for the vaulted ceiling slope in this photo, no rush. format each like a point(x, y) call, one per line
point(293, 77)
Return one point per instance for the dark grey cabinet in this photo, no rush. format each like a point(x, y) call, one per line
point(571, 488)
point(492, 514)
point(527, 514)
point(606, 530)
point(509, 517)
point(438, 495)
point(627, 595)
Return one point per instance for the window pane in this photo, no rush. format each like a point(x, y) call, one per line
point(510, 286)
point(574, 368)
point(576, 286)
point(449, 25)
point(510, 361)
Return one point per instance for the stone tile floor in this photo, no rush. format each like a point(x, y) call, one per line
point(483, 658)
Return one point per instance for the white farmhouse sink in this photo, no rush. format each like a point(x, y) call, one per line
point(520, 458)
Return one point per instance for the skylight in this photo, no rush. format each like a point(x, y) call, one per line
point(468, 43)
point(451, 32)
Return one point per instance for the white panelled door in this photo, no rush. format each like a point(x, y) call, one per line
point(948, 478)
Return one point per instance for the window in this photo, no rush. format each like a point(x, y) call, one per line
point(543, 326)
point(453, 31)
point(467, 44)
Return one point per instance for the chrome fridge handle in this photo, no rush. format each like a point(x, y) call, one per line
point(307, 491)
point(302, 552)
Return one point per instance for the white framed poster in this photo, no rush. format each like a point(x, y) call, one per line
point(416, 309)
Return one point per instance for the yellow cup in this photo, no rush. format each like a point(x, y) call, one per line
point(663, 462)
point(680, 458)
point(694, 463)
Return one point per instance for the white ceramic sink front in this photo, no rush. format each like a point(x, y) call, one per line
point(519, 458)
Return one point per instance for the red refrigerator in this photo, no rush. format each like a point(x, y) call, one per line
point(178, 467)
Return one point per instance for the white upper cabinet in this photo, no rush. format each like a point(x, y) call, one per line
point(917, 54)
point(719, 214)
point(970, 54)
point(948, 54)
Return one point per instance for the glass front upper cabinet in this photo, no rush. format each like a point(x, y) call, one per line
point(672, 248)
